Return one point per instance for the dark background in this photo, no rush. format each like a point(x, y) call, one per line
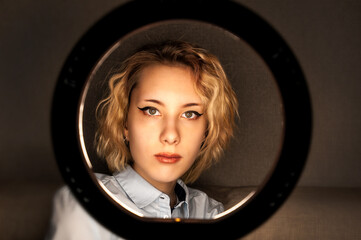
point(37, 36)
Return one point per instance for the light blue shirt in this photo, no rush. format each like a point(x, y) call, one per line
point(71, 221)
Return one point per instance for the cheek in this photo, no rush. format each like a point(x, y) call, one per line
point(137, 144)
point(141, 134)
point(194, 136)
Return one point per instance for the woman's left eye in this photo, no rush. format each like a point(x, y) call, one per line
point(191, 115)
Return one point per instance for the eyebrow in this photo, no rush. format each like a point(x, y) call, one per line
point(162, 104)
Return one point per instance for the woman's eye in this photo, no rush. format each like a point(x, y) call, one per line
point(150, 111)
point(191, 115)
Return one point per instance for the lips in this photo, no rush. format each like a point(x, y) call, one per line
point(167, 157)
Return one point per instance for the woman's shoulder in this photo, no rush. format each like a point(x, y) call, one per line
point(200, 200)
point(64, 198)
point(111, 184)
point(70, 220)
point(199, 194)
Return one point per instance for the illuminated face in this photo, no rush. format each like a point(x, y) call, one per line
point(165, 126)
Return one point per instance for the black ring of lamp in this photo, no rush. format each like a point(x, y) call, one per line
point(241, 22)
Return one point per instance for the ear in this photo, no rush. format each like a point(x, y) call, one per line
point(204, 139)
point(126, 132)
point(205, 135)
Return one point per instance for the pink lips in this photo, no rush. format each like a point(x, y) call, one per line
point(167, 157)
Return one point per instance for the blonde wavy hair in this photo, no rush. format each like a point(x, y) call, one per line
point(211, 84)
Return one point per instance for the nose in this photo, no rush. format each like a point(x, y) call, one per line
point(170, 134)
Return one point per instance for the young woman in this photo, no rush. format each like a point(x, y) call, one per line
point(168, 116)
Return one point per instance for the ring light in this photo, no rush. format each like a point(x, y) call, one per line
point(67, 139)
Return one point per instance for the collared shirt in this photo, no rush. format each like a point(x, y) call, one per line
point(139, 195)
point(71, 221)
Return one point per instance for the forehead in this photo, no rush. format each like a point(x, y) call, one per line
point(158, 72)
point(164, 81)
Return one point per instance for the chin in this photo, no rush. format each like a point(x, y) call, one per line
point(167, 176)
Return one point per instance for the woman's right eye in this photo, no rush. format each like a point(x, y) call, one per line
point(151, 111)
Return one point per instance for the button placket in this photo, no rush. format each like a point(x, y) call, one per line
point(165, 211)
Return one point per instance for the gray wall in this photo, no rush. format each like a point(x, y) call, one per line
point(36, 37)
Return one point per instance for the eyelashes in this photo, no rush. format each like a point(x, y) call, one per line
point(152, 111)
point(191, 115)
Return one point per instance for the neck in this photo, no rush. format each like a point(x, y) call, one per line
point(167, 188)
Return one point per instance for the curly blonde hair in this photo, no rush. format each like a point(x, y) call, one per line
point(211, 84)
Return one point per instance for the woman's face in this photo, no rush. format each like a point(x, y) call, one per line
point(165, 126)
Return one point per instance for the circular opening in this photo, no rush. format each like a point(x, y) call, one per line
point(243, 167)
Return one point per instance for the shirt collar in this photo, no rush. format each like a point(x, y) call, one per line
point(181, 191)
point(141, 192)
point(138, 190)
